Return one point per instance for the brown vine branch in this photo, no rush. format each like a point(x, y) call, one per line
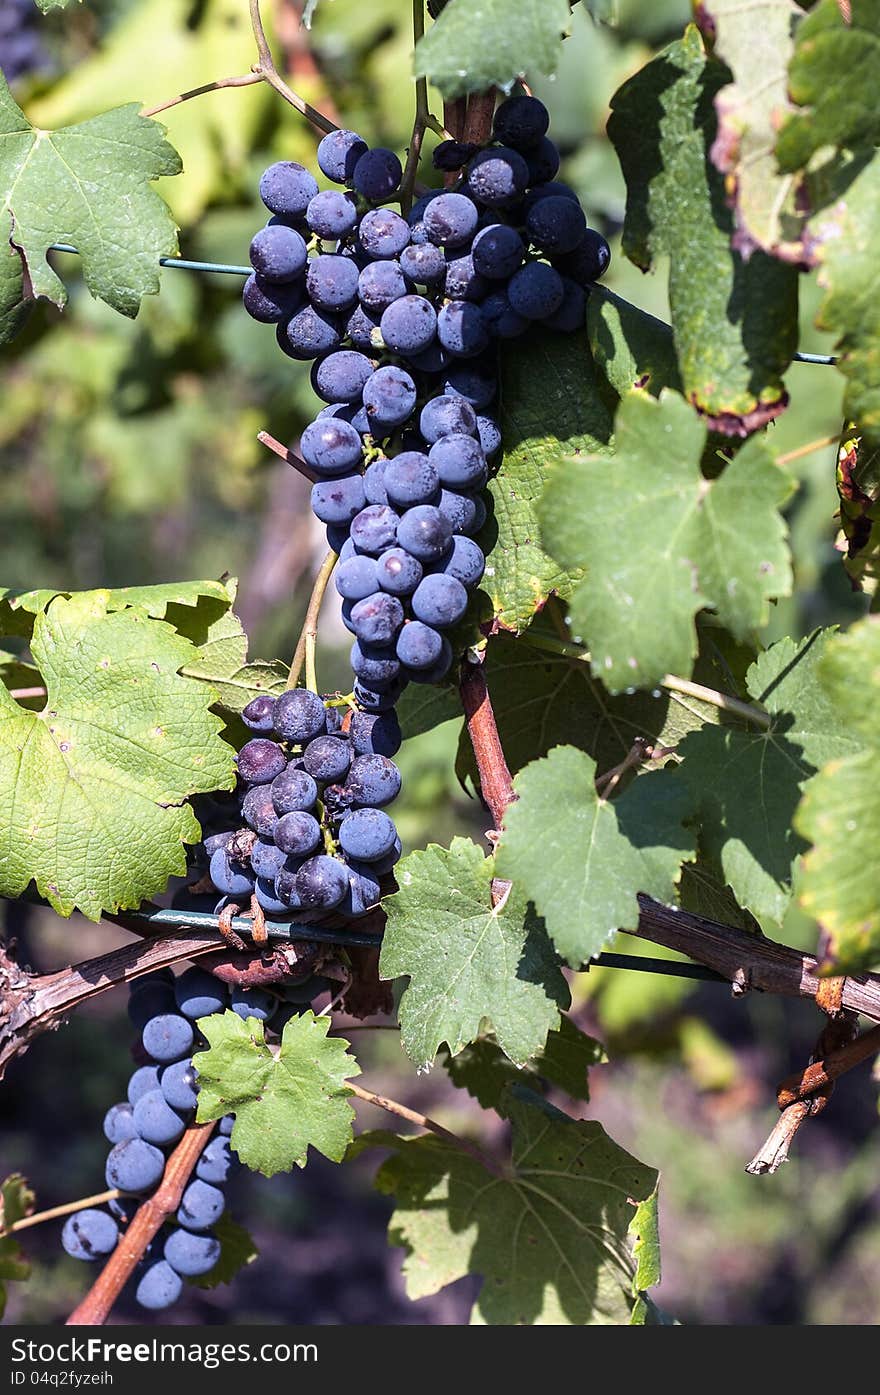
point(495, 779)
point(422, 1121)
point(305, 649)
point(287, 455)
point(266, 70)
point(821, 1073)
point(244, 80)
point(31, 1004)
point(420, 122)
point(151, 1215)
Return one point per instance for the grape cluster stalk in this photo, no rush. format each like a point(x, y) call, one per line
point(401, 319)
point(161, 1101)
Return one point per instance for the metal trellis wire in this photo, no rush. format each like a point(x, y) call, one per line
point(229, 269)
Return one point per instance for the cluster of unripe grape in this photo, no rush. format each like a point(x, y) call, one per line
point(161, 1100)
point(401, 317)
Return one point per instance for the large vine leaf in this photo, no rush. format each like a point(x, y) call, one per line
point(472, 967)
point(605, 851)
point(747, 782)
point(659, 541)
point(487, 1074)
point(87, 184)
point(551, 1234)
point(833, 75)
point(551, 406)
point(756, 42)
point(157, 48)
point(734, 320)
point(94, 785)
point(840, 811)
point(477, 44)
point(169, 600)
point(16, 1202)
point(284, 1102)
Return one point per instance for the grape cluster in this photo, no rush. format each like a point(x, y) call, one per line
point(312, 796)
point(161, 1101)
point(21, 46)
point(401, 321)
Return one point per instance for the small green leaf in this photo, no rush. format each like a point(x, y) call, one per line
point(551, 406)
point(284, 1102)
point(477, 44)
point(756, 42)
point(237, 1251)
point(94, 784)
point(605, 852)
point(840, 810)
point(659, 541)
point(486, 1073)
point(834, 74)
point(468, 963)
point(734, 320)
point(89, 185)
point(16, 1202)
point(747, 782)
point(550, 1237)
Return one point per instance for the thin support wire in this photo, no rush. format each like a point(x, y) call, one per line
point(229, 269)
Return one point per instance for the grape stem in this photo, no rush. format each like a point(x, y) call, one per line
point(820, 444)
point(422, 118)
point(288, 455)
point(67, 1209)
point(148, 1220)
point(264, 70)
point(305, 649)
point(422, 1121)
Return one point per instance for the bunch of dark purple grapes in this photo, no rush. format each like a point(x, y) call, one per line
point(316, 838)
point(21, 44)
point(402, 319)
point(161, 1101)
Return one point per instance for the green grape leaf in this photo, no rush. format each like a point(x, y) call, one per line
point(756, 42)
point(833, 74)
point(222, 660)
point(170, 600)
point(94, 784)
point(472, 967)
point(477, 44)
point(850, 308)
point(551, 406)
point(734, 320)
point(237, 1251)
point(542, 700)
point(486, 1073)
point(748, 782)
point(284, 1102)
point(632, 348)
point(605, 852)
point(16, 1202)
point(550, 1236)
point(15, 303)
point(87, 184)
point(424, 706)
point(660, 541)
point(159, 47)
point(840, 810)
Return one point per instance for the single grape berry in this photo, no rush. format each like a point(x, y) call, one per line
point(425, 533)
point(342, 376)
point(366, 834)
point(300, 715)
point(119, 1123)
point(286, 188)
point(383, 233)
point(89, 1234)
point(498, 176)
point(338, 500)
point(379, 285)
point(375, 734)
point(198, 993)
point(521, 122)
point(338, 153)
point(461, 328)
point(536, 291)
point(201, 1206)
point(218, 1162)
point(278, 253)
point(269, 302)
point(397, 572)
point(134, 1166)
point(377, 174)
point(389, 398)
point(258, 810)
point(321, 883)
point(259, 714)
point(357, 577)
point(408, 325)
point(168, 1037)
point(259, 761)
point(192, 1255)
point(293, 788)
point(332, 282)
point(450, 220)
point(377, 618)
point(410, 478)
point(331, 214)
point(159, 1288)
point(439, 600)
point(458, 460)
point(299, 833)
point(249, 1002)
point(155, 1120)
point(375, 528)
point(373, 780)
